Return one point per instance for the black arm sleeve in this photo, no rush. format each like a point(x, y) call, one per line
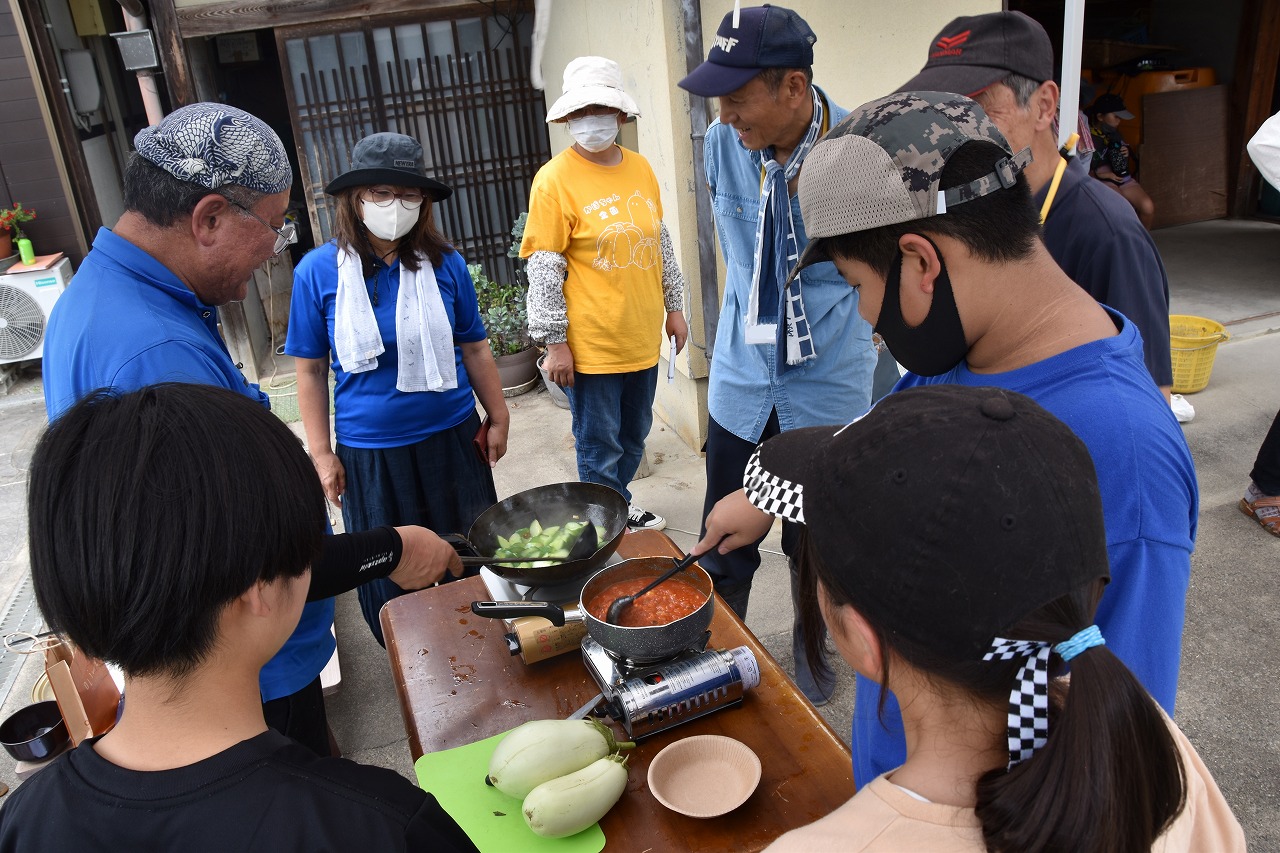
point(349, 559)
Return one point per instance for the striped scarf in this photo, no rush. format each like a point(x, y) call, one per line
point(777, 251)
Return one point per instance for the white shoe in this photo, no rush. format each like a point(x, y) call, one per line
point(639, 518)
point(1182, 410)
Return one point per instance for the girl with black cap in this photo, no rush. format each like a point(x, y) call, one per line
point(390, 301)
point(955, 550)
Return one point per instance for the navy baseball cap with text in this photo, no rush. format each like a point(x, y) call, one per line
point(760, 37)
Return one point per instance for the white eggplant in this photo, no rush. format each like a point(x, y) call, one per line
point(542, 750)
point(570, 804)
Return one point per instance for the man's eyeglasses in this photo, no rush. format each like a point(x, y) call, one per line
point(285, 236)
point(382, 197)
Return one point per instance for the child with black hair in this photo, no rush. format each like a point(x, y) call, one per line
point(172, 532)
point(1111, 156)
point(955, 551)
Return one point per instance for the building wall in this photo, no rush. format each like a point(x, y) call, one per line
point(28, 165)
point(864, 50)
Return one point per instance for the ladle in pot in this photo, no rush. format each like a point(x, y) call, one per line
point(623, 602)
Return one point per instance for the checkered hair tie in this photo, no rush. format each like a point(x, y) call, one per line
point(1029, 699)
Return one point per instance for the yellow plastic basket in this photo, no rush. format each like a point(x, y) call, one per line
point(1193, 343)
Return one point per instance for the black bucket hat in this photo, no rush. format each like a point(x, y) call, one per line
point(389, 158)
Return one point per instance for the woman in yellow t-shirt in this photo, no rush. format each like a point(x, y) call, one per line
point(604, 287)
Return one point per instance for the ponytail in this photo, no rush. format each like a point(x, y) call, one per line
point(1109, 779)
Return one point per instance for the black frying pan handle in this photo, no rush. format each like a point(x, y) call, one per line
point(460, 543)
point(515, 609)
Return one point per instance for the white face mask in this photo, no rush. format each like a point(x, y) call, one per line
point(388, 223)
point(594, 133)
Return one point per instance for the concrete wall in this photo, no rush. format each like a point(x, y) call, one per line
point(865, 48)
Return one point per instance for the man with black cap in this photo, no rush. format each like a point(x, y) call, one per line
point(785, 356)
point(1004, 61)
point(921, 204)
point(205, 198)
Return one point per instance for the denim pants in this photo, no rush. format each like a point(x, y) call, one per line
point(612, 414)
point(732, 573)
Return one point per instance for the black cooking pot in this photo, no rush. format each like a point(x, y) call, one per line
point(35, 732)
point(642, 645)
point(553, 504)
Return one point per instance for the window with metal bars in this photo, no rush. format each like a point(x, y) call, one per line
point(459, 86)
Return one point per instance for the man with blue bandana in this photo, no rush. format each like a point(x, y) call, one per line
point(205, 200)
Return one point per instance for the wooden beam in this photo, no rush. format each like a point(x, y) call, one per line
point(65, 136)
point(173, 58)
point(1251, 97)
point(213, 19)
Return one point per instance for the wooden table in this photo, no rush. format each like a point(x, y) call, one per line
point(458, 683)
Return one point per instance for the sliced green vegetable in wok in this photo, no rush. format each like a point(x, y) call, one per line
point(550, 543)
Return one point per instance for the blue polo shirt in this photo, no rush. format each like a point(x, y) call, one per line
point(369, 412)
point(744, 386)
point(126, 322)
point(1150, 505)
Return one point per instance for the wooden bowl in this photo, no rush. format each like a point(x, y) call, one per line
point(704, 775)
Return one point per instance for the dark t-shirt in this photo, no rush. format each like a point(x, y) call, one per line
point(263, 794)
point(1096, 238)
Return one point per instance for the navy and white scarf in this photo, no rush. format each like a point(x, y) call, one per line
point(777, 251)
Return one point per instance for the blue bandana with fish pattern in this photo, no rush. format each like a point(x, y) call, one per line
point(212, 145)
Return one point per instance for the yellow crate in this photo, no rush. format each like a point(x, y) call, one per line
point(1193, 344)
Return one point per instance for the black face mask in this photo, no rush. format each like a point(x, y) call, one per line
point(938, 343)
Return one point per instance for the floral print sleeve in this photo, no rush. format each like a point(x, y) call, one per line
point(548, 317)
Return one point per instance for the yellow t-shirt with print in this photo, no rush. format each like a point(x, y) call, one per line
point(605, 220)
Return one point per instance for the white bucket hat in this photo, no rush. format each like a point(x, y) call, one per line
point(592, 81)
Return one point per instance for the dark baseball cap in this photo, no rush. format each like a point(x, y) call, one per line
point(948, 513)
point(974, 51)
point(389, 158)
point(1111, 103)
point(749, 40)
point(882, 164)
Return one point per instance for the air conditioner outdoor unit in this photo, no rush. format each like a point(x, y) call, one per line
point(26, 298)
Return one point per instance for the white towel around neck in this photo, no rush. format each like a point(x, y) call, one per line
point(424, 337)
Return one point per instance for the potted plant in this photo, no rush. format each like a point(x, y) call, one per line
point(10, 231)
point(503, 310)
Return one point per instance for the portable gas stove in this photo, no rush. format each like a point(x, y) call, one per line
point(648, 698)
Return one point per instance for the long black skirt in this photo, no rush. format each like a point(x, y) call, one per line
point(439, 483)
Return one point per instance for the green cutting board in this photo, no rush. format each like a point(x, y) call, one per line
point(455, 777)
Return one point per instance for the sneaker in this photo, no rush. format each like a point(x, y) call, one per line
point(640, 518)
point(1182, 410)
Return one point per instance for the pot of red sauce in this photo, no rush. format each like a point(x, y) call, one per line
point(673, 622)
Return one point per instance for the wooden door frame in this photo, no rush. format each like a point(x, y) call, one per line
point(1252, 94)
point(64, 136)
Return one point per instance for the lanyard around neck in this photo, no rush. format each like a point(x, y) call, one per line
point(1057, 177)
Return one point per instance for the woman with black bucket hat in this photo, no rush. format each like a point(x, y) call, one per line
point(390, 302)
point(969, 611)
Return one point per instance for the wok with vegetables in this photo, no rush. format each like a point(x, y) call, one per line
point(560, 512)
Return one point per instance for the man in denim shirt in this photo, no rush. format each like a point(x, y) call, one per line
point(784, 357)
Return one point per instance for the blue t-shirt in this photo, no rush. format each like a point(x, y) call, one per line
point(368, 410)
point(1098, 240)
point(1150, 504)
point(744, 386)
point(127, 322)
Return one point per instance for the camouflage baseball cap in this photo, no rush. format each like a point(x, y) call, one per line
point(881, 165)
